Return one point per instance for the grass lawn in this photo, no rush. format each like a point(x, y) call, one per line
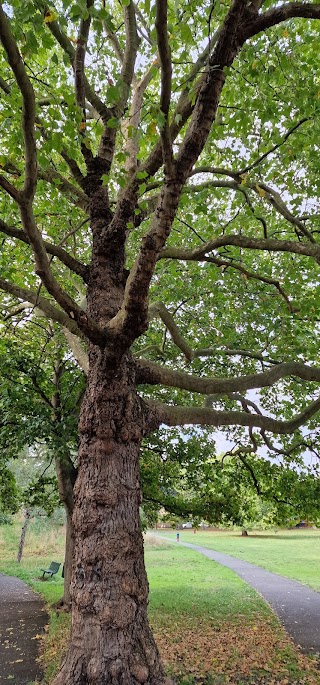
point(292, 553)
point(210, 627)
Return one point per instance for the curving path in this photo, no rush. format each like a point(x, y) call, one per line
point(22, 618)
point(296, 605)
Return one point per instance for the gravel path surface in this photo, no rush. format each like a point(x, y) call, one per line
point(297, 606)
point(22, 618)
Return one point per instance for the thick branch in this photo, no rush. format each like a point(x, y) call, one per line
point(10, 189)
point(159, 309)
point(269, 244)
point(43, 269)
point(107, 141)
point(152, 374)
point(28, 108)
point(131, 320)
point(166, 80)
point(276, 15)
point(79, 59)
point(80, 355)
point(129, 55)
point(183, 109)
point(229, 43)
point(180, 416)
point(79, 76)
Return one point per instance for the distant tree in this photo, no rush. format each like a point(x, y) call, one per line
point(186, 134)
point(39, 400)
point(181, 473)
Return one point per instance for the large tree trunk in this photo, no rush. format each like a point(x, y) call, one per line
point(111, 641)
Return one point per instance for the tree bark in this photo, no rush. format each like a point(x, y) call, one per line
point(111, 641)
point(27, 516)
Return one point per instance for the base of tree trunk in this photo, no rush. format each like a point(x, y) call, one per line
point(62, 606)
point(75, 672)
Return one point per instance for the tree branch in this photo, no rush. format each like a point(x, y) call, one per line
point(10, 189)
point(79, 76)
point(54, 250)
point(180, 416)
point(161, 25)
point(80, 355)
point(28, 109)
point(229, 43)
point(44, 305)
point(276, 15)
point(260, 159)
point(68, 48)
point(131, 320)
point(77, 196)
point(159, 309)
point(129, 55)
point(132, 141)
point(183, 110)
point(107, 141)
point(228, 264)
point(152, 374)
point(269, 244)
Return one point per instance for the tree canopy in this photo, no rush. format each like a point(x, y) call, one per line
point(159, 202)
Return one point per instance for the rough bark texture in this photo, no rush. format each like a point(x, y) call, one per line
point(111, 641)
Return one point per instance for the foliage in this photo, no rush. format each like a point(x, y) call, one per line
point(186, 136)
point(30, 438)
point(8, 492)
point(181, 473)
point(252, 308)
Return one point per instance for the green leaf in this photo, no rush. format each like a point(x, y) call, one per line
point(142, 188)
point(142, 174)
point(113, 122)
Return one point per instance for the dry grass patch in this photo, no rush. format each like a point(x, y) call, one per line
point(154, 541)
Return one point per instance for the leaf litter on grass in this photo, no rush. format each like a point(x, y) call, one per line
point(256, 652)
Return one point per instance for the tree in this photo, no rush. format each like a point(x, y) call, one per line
point(182, 473)
point(39, 399)
point(168, 127)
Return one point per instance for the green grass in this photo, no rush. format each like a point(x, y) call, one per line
point(211, 628)
point(295, 554)
point(182, 581)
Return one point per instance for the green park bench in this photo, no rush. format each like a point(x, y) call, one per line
point(53, 568)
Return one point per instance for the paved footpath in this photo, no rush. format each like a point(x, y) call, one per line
point(22, 618)
point(297, 606)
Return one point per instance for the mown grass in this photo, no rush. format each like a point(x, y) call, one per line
point(210, 627)
point(291, 553)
